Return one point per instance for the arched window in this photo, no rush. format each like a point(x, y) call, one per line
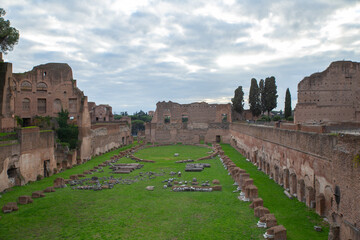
point(57, 106)
point(26, 86)
point(41, 87)
point(26, 104)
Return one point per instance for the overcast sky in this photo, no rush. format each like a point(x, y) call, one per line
point(132, 54)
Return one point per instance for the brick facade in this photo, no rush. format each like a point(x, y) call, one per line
point(330, 96)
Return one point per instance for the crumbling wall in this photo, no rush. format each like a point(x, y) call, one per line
point(310, 166)
point(25, 160)
point(105, 137)
point(189, 123)
point(330, 96)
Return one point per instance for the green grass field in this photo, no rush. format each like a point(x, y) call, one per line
point(131, 212)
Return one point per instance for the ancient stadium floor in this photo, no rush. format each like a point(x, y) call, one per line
point(129, 211)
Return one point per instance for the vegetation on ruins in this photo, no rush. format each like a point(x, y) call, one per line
point(19, 121)
point(138, 120)
point(43, 122)
point(287, 111)
point(9, 36)
point(131, 212)
point(67, 133)
point(238, 100)
point(254, 98)
point(270, 94)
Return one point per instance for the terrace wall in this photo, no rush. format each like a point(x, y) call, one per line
point(310, 166)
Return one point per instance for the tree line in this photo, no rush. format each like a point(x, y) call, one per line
point(138, 120)
point(262, 98)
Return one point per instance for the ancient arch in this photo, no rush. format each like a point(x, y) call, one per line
point(293, 183)
point(286, 178)
point(301, 190)
point(276, 175)
point(41, 87)
point(26, 86)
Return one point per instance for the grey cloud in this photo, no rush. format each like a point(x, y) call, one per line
point(111, 69)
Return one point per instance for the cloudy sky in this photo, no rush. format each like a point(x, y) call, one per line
point(133, 53)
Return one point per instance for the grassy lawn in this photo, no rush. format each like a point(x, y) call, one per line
point(298, 219)
point(131, 212)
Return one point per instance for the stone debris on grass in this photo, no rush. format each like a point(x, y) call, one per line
point(38, 194)
point(191, 189)
point(216, 181)
point(196, 167)
point(10, 207)
point(59, 183)
point(49, 189)
point(276, 233)
point(25, 199)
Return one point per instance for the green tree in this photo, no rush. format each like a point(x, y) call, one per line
point(262, 95)
point(238, 100)
point(9, 36)
point(254, 98)
point(66, 133)
point(270, 94)
point(137, 125)
point(287, 104)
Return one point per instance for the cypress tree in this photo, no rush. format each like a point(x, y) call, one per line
point(270, 93)
point(238, 100)
point(254, 98)
point(287, 111)
point(262, 95)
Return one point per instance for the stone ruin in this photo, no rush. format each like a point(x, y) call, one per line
point(189, 123)
point(196, 167)
point(121, 168)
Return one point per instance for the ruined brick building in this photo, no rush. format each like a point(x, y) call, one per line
point(100, 113)
point(44, 91)
point(189, 123)
point(330, 96)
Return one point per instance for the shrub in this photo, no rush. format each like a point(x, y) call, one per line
point(276, 118)
point(264, 118)
point(291, 118)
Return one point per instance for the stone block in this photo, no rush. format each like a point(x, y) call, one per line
point(247, 182)
point(59, 183)
point(278, 232)
point(260, 211)
point(242, 177)
point(74, 177)
point(270, 220)
point(215, 181)
point(217, 188)
point(10, 207)
point(251, 192)
point(81, 175)
point(38, 194)
point(25, 200)
point(49, 189)
point(256, 202)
